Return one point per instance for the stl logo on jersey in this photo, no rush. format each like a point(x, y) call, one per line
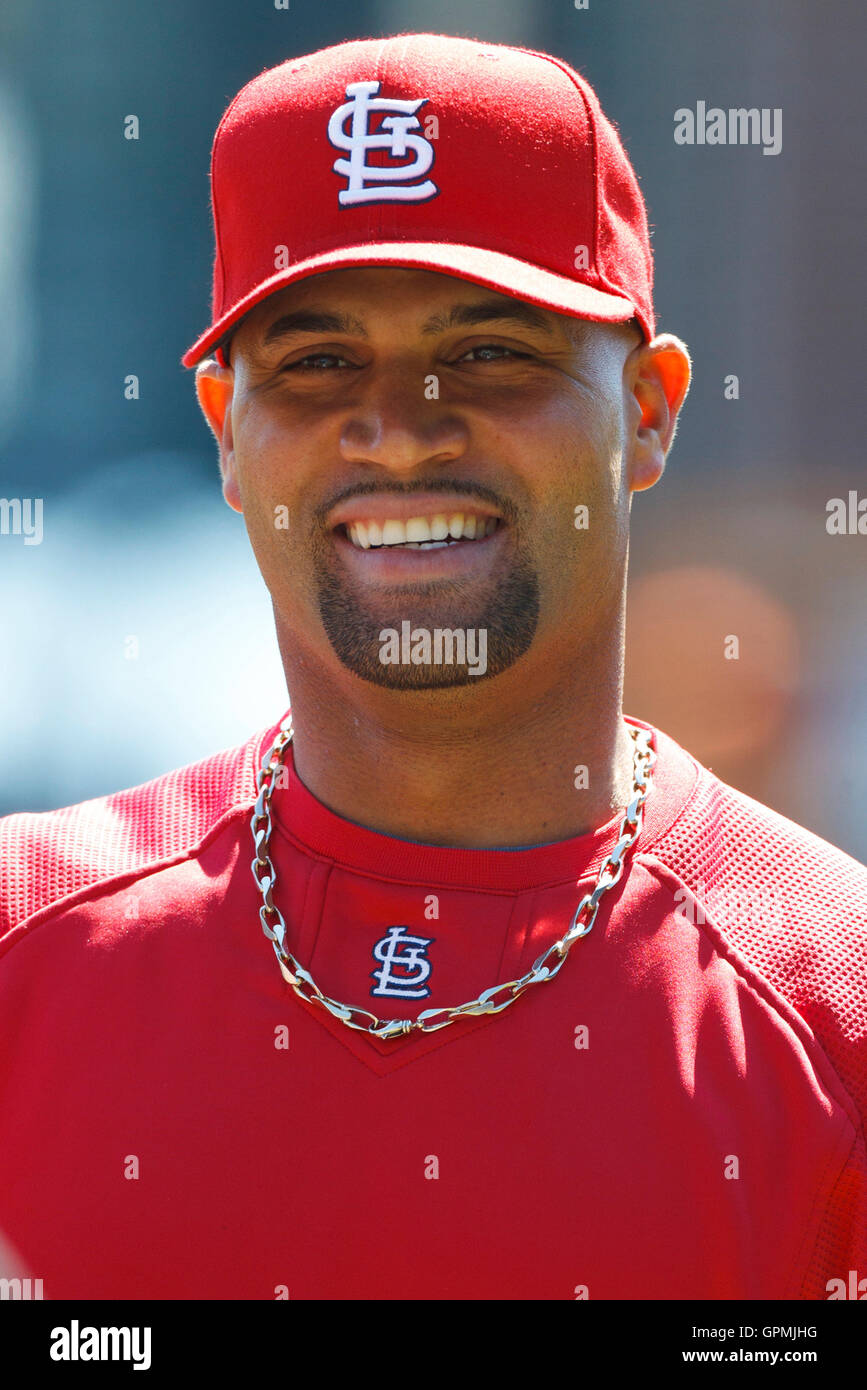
point(380, 183)
point(405, 966)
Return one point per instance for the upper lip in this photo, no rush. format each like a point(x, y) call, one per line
point(386, 506)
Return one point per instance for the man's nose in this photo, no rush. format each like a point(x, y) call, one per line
point(395, 419)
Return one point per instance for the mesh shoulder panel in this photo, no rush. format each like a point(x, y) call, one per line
point(48, 855)
point(794, 908)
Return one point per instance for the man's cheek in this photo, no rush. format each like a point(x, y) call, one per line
point(269, 527)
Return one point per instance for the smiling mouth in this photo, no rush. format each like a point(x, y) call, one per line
point(420, 532)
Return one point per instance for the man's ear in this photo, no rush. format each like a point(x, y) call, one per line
point(214, 388)
point(659, 374)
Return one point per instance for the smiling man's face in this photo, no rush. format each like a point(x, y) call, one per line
point(369, 406)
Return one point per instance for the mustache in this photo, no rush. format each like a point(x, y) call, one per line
point(465, 486)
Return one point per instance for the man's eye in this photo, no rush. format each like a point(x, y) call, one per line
point(322, 361)
point(492, 347)
point(305, 363)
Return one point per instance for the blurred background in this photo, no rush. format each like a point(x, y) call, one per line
point(138, 636)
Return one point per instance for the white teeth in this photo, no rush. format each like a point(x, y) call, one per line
point(420, 531)
point(393, 533)
point(417, 529)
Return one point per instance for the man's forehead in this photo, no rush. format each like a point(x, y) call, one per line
point(349, 300)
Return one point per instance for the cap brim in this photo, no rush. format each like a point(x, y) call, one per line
point(490, 268)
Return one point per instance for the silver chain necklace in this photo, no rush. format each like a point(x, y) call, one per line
point(583, 918)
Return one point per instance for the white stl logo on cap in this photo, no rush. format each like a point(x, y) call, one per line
point(389, 183)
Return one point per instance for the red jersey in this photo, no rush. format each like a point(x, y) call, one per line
point(679, 1114)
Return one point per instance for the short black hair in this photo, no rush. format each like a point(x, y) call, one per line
point(224, 343)
point(577, 327)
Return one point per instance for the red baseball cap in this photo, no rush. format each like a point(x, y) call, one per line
point(491, 163)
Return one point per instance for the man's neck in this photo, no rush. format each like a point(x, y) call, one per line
point(489, 770)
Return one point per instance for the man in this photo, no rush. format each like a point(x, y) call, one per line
point(554, 1013)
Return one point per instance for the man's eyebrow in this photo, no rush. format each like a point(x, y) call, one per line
point(459, 316)
point(489, 311)
point(313, 321)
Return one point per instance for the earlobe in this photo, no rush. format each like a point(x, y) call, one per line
point(231, 492)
